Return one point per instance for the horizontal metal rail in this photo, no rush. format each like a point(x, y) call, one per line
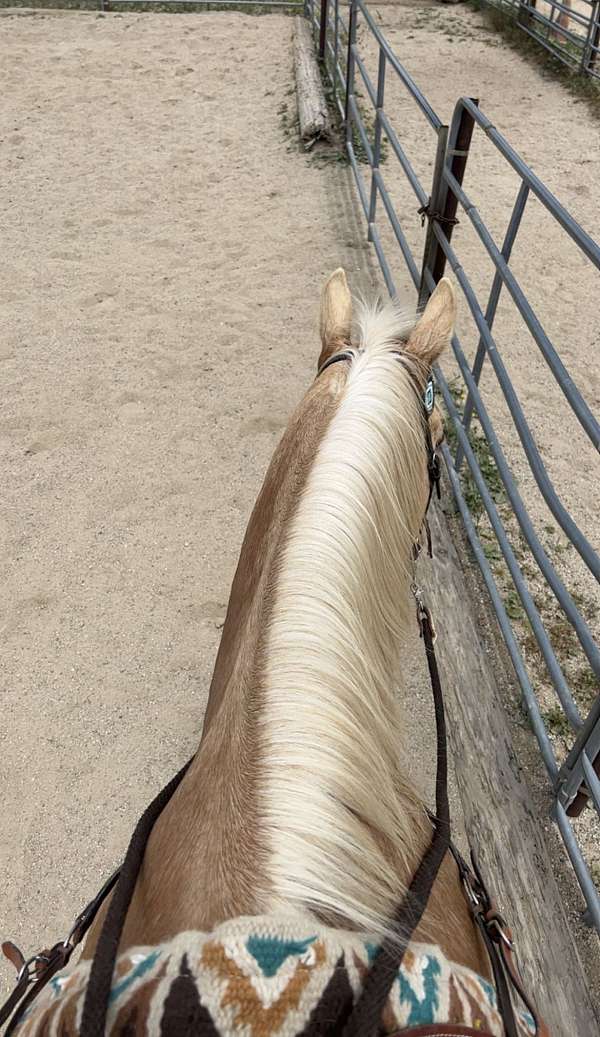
point(490, 506)
point(106, 5)
point(562, 516)
point(403, 159)
point(140, 5)
point(561, 375)
point(399, 69)
point(584, 241)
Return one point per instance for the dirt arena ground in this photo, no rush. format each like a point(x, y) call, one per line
point(164, 245)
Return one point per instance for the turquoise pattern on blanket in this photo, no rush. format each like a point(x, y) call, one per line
point(490, 991)
point(139, 970)
point(56, 984)
point(422, 1010)
point(269, 952)
point(245, 966)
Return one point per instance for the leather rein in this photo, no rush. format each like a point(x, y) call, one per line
point(364, 1019)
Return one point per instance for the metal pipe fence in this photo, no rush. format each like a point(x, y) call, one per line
point(360, 99)
point(568, 29)
point(252, 5)
point(139, 6)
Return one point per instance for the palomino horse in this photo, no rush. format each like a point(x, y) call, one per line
point(563, 22)
point(276, 861)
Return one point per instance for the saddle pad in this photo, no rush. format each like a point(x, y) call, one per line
point(266, 976)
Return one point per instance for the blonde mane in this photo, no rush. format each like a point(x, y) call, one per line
point(334, 803)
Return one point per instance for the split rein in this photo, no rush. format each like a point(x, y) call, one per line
point(364, 1019)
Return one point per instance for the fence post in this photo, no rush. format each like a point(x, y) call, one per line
point(323, 28)
point(350, 68)
point(443, 202)
point(436, 200)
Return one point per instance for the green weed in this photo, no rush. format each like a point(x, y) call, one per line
point(556, 722)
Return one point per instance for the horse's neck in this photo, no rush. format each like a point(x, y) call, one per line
point(295, 801)
point(217, 871)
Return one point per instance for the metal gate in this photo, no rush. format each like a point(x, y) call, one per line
point(360, 99)
point(569, 31)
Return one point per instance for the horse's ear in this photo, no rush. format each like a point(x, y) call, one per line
point(434, 329)
point(335, 318)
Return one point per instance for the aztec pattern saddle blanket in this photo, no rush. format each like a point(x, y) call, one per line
point(265, 977)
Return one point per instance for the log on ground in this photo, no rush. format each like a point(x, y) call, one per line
point(313, 115)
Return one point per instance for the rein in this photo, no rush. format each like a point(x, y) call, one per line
point(364, 1018)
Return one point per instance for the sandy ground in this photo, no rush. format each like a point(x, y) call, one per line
point(164, 246)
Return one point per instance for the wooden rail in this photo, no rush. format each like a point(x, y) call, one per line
point(500, 819)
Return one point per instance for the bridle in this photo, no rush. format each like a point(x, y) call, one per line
point(364, 1018)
